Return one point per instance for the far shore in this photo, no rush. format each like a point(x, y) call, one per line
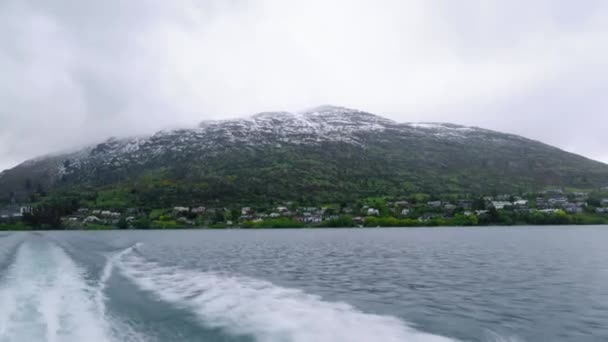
point(294, 228)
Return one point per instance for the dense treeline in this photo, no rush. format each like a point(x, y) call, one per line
point(152, 198)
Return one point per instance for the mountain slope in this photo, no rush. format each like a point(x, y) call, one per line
point(325, 154)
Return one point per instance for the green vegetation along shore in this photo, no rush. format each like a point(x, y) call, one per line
point(117, 209)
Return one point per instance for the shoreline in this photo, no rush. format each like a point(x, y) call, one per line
point(301, 228)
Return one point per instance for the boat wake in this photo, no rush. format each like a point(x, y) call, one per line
point(269, 313)
point(120, 330)
point(44, 297)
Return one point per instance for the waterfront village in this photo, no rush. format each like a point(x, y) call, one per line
point(547, 207)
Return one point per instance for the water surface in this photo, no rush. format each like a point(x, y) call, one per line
point(423, 284)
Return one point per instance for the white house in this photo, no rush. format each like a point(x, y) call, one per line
point(198, 210)
point(498, 205)
point(521, 203)
point(449, 206)
point(434, 204)
point(549, 211)
point(573, 208)
point(373, 212)
point(92, 219)
point(313, 219)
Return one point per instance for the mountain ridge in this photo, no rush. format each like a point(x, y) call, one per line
point(374, 154)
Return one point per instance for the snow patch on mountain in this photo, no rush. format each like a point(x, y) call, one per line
point(314, 126)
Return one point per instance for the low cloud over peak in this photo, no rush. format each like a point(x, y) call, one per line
point(77, 72)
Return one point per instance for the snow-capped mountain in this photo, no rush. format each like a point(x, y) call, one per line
point(324, 124)
point(346, 141)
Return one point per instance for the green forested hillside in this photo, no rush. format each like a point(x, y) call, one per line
point(281, 158)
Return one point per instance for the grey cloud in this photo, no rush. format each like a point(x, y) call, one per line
point(76, 72)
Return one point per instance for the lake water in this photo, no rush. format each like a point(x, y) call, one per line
point(355, 285)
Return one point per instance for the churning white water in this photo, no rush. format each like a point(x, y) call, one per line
point(246, 306)
point(44, 297)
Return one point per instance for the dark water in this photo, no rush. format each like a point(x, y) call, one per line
point(441, 284)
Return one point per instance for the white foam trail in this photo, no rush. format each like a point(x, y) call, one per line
point(105, 276)
point(46, 298)
point(122, 331)
point(246, 306)
point(494, 337)
point(7, 245)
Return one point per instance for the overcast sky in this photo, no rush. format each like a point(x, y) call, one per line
point(76, 72)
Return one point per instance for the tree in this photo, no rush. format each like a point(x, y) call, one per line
point(342, 221)
point(561, 217)
point(122, 223)
point(479, 204)
point(28, 185)
point(330, 211)
point(219, 216)
point(40, 190)
point(594, 202)
point(493, 214)
point(142, 223)
point(47, 216)
point(235, 214)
